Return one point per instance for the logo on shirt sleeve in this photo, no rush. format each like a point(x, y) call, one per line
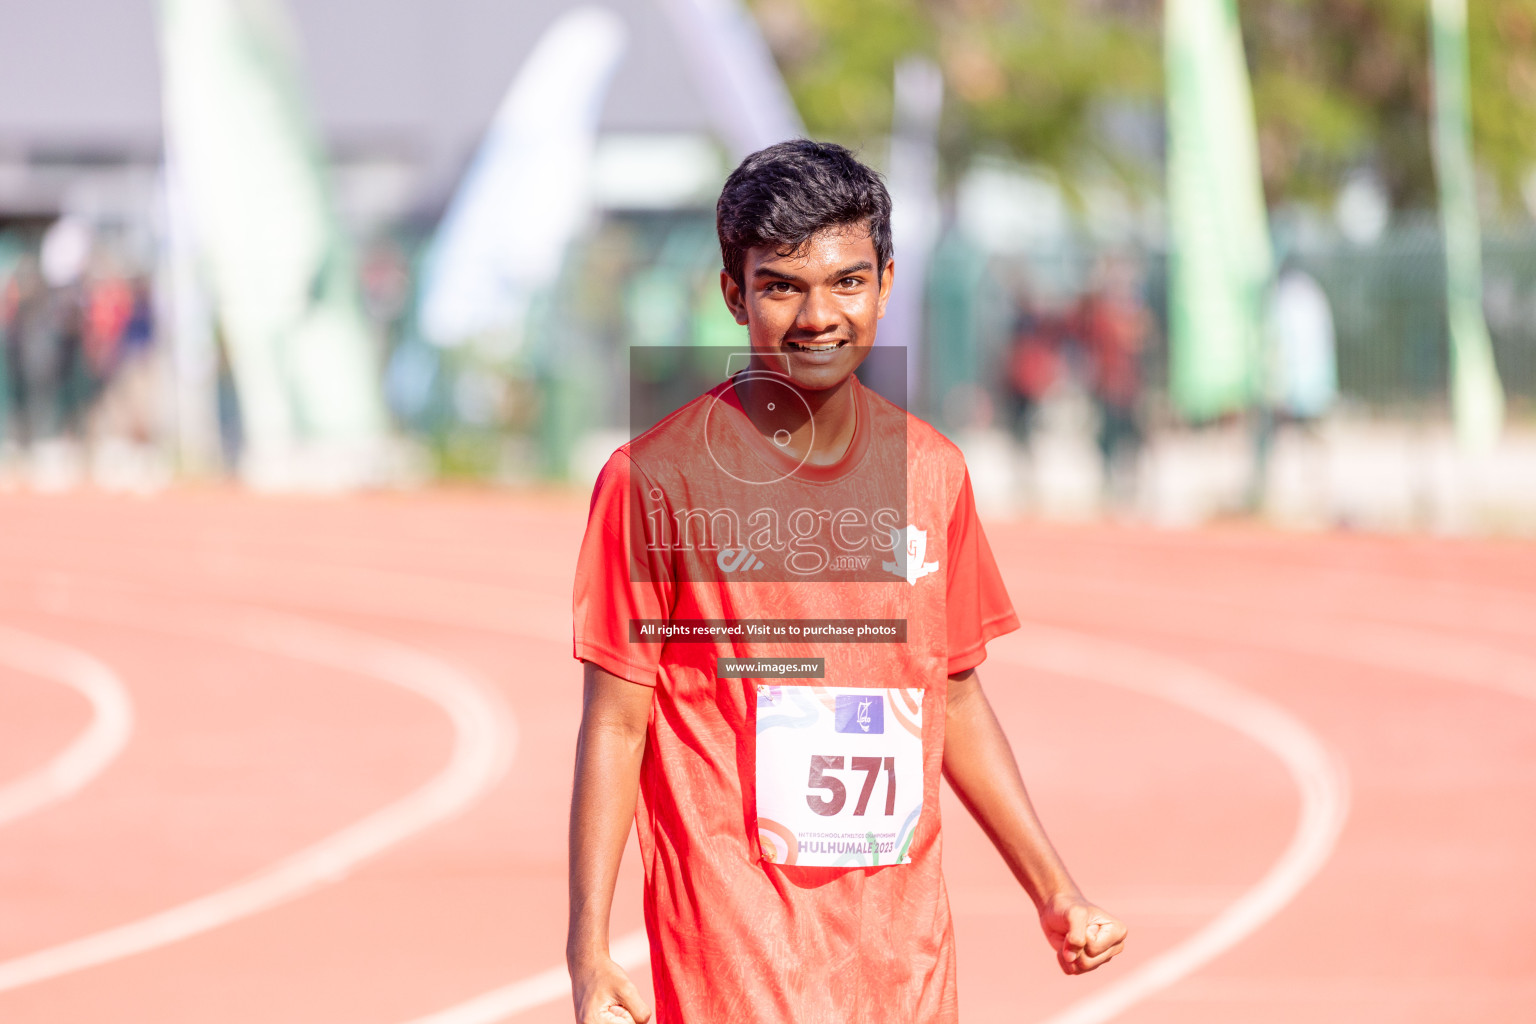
point(860, 714)
point(909, 547)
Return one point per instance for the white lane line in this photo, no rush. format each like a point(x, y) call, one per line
point(1422, 651)
point(1431, 648)
point(1319, 777)
point(630, 952)
point(67, 772)
point(483, 744)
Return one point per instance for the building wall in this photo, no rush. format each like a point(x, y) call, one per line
point(411, 82)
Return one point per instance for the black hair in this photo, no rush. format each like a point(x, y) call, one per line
point(785, 194)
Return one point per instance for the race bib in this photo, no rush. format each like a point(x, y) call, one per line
point(839, 774)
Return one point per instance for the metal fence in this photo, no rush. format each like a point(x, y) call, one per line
point(1389, 312)
point(1387, 300)
point(653, 280)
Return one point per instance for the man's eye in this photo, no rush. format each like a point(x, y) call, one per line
point(779, 286)
point(850, 282)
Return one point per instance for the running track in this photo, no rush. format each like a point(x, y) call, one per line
point(308, 761)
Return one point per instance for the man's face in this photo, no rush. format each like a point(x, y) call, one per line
point(812, 314)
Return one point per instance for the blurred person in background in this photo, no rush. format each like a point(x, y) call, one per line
point(1301, 381)
point(68, 250)
point(119, 348)
point(40, 327)
point(1303, 371)
point(78, 335)
point(1112, 324)
point(108, 307)
point(12, 286)
point(1034, 365)
point(107, 302)
point(385, 278)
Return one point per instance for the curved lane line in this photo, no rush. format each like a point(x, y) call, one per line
point(485, 738)
point(67, 772)
point(1435, 651)
point(1319, 777)
point(548, 985)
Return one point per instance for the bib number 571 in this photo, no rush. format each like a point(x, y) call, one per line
point(833, 804)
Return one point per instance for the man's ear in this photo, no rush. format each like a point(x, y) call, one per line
point(885, 287)
point(734, 300)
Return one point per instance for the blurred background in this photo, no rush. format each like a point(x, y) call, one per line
point(1164, 261)
point(352, 288)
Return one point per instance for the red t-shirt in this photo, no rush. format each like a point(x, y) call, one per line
point(736, 936)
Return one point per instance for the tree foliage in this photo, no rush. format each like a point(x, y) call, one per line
point(1338, 85)
point(1347, 84)
point(1022, 79)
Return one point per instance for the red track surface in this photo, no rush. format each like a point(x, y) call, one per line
point(1410, 662)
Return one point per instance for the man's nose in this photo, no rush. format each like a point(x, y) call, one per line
point(818, 313)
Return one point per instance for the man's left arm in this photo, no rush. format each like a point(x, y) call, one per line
point(980, 766)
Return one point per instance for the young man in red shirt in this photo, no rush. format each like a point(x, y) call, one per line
point(788, 811)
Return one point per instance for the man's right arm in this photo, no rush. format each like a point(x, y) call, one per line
point(615, 716)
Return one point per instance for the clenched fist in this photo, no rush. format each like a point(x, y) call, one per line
point(1083, 935)
point(603, 994)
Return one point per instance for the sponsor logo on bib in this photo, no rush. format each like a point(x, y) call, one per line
point(860, 714)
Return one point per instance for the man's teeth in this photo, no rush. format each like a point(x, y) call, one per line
point(822, 347)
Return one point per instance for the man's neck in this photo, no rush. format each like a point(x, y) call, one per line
point(821, 423)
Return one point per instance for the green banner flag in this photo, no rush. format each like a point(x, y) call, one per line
point(1477, 399)
point(264, 225)
point(1220, 257)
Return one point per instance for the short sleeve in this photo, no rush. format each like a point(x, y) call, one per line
point(977, 603)
point(618, 578)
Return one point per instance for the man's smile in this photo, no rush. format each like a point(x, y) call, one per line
point(816, 347)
